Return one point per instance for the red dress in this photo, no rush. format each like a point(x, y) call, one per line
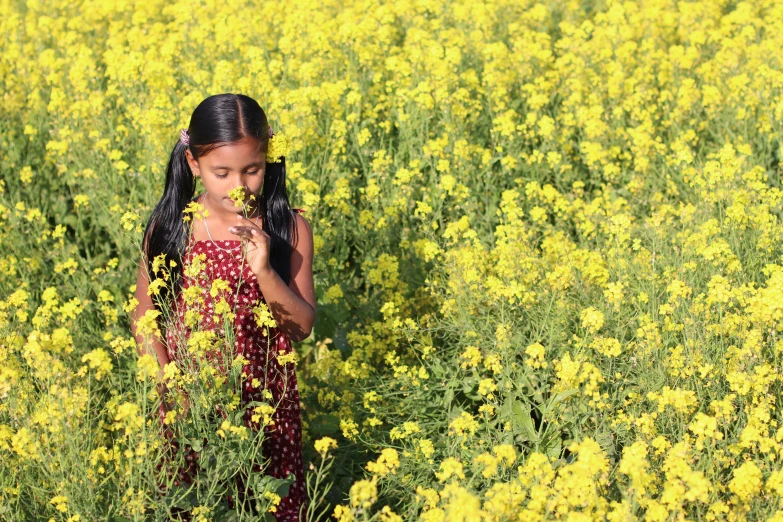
point(283, 442)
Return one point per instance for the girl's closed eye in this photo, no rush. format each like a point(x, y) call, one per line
point(223, 176)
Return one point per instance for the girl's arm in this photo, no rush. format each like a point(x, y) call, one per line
point(145, 303)
point(293, 305)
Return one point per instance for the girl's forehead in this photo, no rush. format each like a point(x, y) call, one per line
point(236, 152)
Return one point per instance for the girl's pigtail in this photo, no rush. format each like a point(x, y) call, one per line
point(278, 218)
point(165, 233)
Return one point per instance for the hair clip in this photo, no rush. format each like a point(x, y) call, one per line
point(184, 138)
point(269, 127)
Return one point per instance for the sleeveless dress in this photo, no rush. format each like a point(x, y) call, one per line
point(283, 442)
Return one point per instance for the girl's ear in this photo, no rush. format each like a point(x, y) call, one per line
point(192, 163)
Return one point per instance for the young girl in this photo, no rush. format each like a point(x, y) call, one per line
point(225, 145)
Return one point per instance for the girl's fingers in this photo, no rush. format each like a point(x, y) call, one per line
point(246, 232)
point(241, 233)
point(251, 225)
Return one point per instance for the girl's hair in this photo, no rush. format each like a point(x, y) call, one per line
point(218, 120)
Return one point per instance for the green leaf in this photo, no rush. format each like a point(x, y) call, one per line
point(225, 515)
point(324, 424)
point(554, 449)
point(263, 483)
point(522, 418)
point(284, 485)
point(468, 384)
point(448, 396)
point(518, 413)
point(605, 440)
point(555, 399)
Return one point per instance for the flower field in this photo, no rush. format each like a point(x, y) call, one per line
point(548, 256)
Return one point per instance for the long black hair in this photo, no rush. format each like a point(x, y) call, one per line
point(218, 120)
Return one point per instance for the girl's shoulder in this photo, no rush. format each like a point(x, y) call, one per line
point(298, 210)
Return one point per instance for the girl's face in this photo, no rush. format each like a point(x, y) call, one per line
point(239, 164)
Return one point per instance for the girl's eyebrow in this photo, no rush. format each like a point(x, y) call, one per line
point(257, 164)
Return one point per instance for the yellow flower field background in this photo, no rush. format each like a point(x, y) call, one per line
point(549, 251)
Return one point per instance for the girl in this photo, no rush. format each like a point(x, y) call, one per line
point(225, 145)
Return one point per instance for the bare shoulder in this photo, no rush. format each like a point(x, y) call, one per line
point(303, 237)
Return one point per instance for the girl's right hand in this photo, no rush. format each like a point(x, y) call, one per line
point(186, 405)
point(259, 244)
point(169, 404)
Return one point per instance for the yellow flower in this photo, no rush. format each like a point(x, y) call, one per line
point(592, 319)
point(487, 408)
point(275, 498)
point(146, 367)
point(171, 371)
point(155, 286)
point(535, 353)
point(130, 220)
point(505, 452)
point(387, 515)
point(290, 357)
point(463, 424)
point(81, 200)
point(349, 428)
point(634, 464)
point(263, 316)
point(170, 417)
point(196, 209)
point(128, 417)
point(775, 482)
point(60, 503)
point(237, 195)
point(24, 444)
point(98, 360)
point(223, 428)
point(333, 293)
point(323, 444)
point(471, 357)
point(223, 310)
point(364, 493)
point(218, 285)
point(487, 387)
point(194, 269)
point(265, 411)
point(450, 467)
point(408, 428)
point(425, 447)
point(26, 174)
point(388, 462)
point(492, 362)
point(607, 346)
point(147, 324)
point(279, 147)
point(746, 482)
point(490, 463)
point(201, 514)
point(343, 513)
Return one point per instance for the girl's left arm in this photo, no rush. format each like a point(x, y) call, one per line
point(293, 305)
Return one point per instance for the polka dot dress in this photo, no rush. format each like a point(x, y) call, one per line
point(283, 442)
